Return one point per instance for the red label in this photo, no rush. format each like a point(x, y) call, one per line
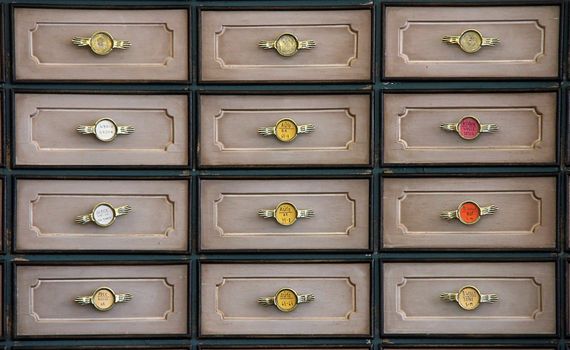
point(469, 212)
point(469, 128)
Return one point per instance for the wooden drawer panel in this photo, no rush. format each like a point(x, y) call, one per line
point(526, 123)
point(525, 218)
point(47, 210)
point(526, 298)
point(229, 294)
point(45, 300)
point(44, 49)
point(229, 130)
point(528, 46)
point(229, 48)
point(46, 129)
point(230, 220)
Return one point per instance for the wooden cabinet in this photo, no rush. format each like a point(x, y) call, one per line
point(320, 45)
point(47, 300)
point(231, 305)
point(471, 42)
point(415, 303)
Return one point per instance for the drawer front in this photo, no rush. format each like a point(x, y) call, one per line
point(46, 294)
point(416, 42)
point(446, 128)
point(525, 291)
point(229, 299)
point(47, 129)
point(230, 217)
point(231, 41)
point(339, 131)
point(414, 213)
point(44, 48)
point(47, 211)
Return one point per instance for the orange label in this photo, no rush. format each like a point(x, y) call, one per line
point(469, 213)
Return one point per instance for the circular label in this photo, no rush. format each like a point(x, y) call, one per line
point(103, 215)
point(287, 45)
point(470, 41)
point(105, 130)
point(286, 300)
point(101, 43)
point(286, 130)
point(469, 128)
point(103, 299)
point(286, 214)
point(469, 213)
point(469, 298)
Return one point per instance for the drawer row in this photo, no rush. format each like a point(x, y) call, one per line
point(286, 214)
point(285, 298)
point(286, 45)
point(285, 130)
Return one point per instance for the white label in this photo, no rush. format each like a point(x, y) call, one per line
point(105, 130)
point(103, 215)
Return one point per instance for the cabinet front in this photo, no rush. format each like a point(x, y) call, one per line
point(286, 299)
point(101, 300)
point(102, 215)
point(498, 298)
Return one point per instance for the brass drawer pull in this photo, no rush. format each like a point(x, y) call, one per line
point(104, 298)
point(103, 214)
point(101, 43)
point(286, 213)
point(469, 128)
point(105, 129)
point(469, 298)
point(286, 130)
point(287, 44)
point(286, 299)
point(470, 41)
point(469, 212)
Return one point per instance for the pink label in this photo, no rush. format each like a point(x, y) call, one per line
point(469, 128)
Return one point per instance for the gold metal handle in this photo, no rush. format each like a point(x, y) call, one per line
point(469, 127)
point(286, 213)
point(105, 129)
point(104, 298)
point(287, 44)
point(286, 130)
point(470, 41)
point(469, 212)
point(469, 298)
point(101, 43)
point(286, 299)
point(103, 214)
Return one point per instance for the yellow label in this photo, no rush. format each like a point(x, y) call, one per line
point(101, 43)
point(286, 45)
point(286, 214)
point(470, 41)
point(469, 298)
point(286, 130)
point(286, 300)
point(103, 299)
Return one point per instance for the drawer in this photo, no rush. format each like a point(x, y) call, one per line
point(335, 299)
point(493, 128)
point(417, 298)
point(333, 45)
point(153, 299)
point(285, 130)
point(233, 214)
point(456, 42)
point(45, 50)
point(117, 130)
point(127, 215)
point(469, 213)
